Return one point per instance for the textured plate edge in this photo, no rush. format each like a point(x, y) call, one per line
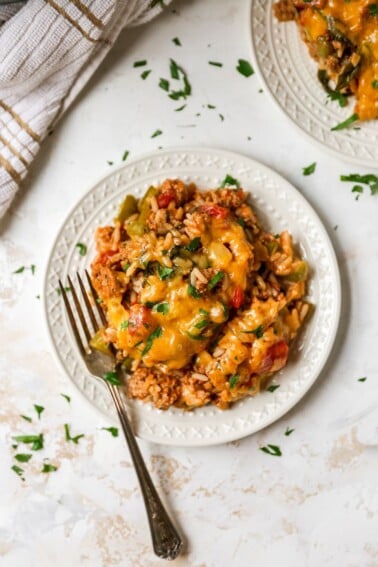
point(256, 65)
point(233, 435)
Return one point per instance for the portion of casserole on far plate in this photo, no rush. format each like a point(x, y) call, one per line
point(201, 302)
point(342, 36)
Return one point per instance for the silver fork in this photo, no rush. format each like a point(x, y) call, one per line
point(166, 541)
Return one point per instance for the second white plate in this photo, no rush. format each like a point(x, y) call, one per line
point(279, 207)
point(289, 76)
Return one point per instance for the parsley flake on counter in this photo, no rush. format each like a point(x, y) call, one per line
point(273, 387)
point(156, 133)
point(82, 248)
point(21, 269)
point(145, 74)
point(216, 63)
point(141, 63)
point(230, 181)
point(18, 470)
point(309, 169)
point(178, 73)
point(113, 378)
point(176, 41)
point(32, 268)
point(26, 418)
point(47, 468)
point(233, 380)
point(68, 435)
point(154, 335)
point(125, 155)
point(289, 431)
point(221, 117)
point(39, 410)
point(244, 68)
point(273, 450)
point(164, 84)
point(346, 123)
point(211, 106)
point(23, 457)
point(363, 379)
point(369, 179)
point(112, 430)
point(180, 108)
point(67, 398)
point(36, 441)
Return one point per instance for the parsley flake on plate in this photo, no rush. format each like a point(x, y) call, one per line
point(346, 123)
point(309, 169)
point(113, 378)
point(230, 181)
point(82, 248)
point(273, 387)
point(273, 450)
point(244, 68)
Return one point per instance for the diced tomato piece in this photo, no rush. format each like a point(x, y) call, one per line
point(276, 357)
point(237, 297)
point(140, 320)
point(164, 198)
point(103, 259)
point(215, 211)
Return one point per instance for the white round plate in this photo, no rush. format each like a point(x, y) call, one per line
point(289, 75)
point(279, 207)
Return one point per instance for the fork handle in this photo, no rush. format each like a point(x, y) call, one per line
point(166, 541)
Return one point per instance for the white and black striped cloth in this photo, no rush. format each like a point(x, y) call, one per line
point(48, 51)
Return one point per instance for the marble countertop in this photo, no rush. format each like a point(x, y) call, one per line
point(237, 506)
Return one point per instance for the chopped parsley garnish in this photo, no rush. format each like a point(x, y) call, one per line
point(233, 380)
point(357, 189)
point(216, 63)
point(174, 69)
point(221, 117)
point(145, 74)
point(374, 84)
point(39, 410)
point(82, 248)
point(346, 123)
point(309, 169)
point(211, 106)
point(259, 331)
point(67, 398)
point(201, 324)
point(216, 279)
point(112, 430)
point(176, 41)
point(341, 99)
point(36, 441)
point(164, 84)
point(162, 308)
point(26, 418)
point(125, 155)
point(369, 179)
point(363, 379)
point(177, 73)
point(140, 63)
point(203, 312)
point(241, 222)
point(273, 450)
point(68, 435)
point(23, 457)
point(110, 162)
point(164, 272)
point(156, 133)
point(47, 468)
point(193, 291)
point(180, 108)
point(373, 9)
point(113, 378)
point(18, 470)
point(59, 291)
point(230, 181)
point(289, 431)
point(124, 325)
point(244, 68)
point(154, 335)
point(193, 244)
point(126, 266)
point(21, 269)
point(196, 337)
point(273, 387)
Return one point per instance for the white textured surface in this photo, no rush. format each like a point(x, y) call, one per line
point(290, 76)
point(281, 207)
point(316, 505)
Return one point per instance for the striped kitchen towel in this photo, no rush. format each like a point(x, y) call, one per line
point(48, 51)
